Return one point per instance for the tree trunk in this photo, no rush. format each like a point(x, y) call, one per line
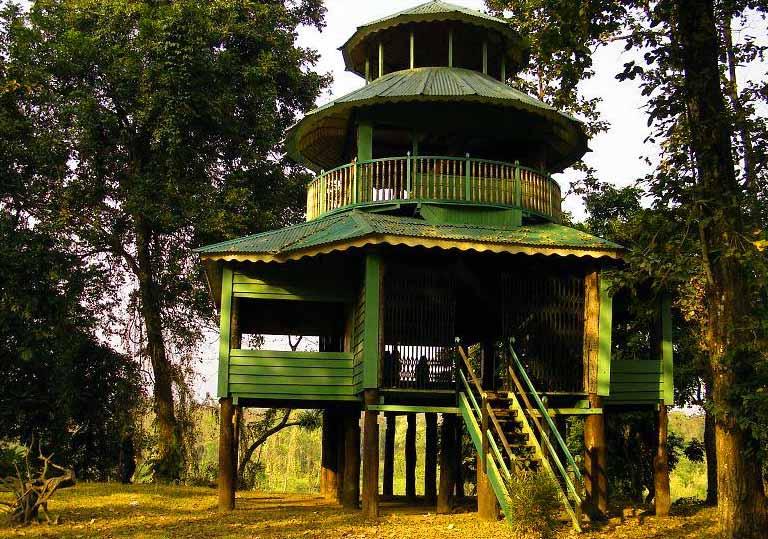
point(742, 505)
point(329, 475)
point(168, 464)
point(389, 455)
point(430, 458)
point(711, 456)
point(410, 457)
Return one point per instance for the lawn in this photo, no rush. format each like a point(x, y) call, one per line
point(148, 511)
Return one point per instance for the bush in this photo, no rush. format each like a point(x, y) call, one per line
point(534, 504)
point(11, 458)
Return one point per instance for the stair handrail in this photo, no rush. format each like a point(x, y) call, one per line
point(545, 414)
point(573, 512)
point(479, 411)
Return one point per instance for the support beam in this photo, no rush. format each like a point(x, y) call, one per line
point(370, 492)
point(450, 48)
point(459, 459)
point(381, 59)
point(487, 506)
point(340, 434)
point(351, 491)
point(410, 457)
point(447, 486)
point(591, 332)
point(595, 462)
point(227, 471)
point(389, 455)
point(430, 458)
point(662, 498)
point(485, 57)
point(329, 460)
point(412, 50)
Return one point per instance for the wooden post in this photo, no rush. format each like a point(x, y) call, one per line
point(227, 471)
point(595, 459)
point(447, 464)
point(329, 460)
point(488, 366)
point(340, 435)
point(371, 458)
point(487, 506)
point(661, 465)
point(351, 491)
point(410, 457)
point(459, 459)
point(430, 458)
point(388, 474)
point(591, 332)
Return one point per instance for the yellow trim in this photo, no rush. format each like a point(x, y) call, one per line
point(429, 243)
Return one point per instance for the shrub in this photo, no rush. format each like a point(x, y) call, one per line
point(534, 504)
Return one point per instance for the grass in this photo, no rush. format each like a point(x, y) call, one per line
point(92, 510)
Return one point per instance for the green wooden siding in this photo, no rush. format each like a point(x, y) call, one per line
point(267, 374)
point(637, 382)
point(605, 328)
point(371, 323)
point(289, 287)
point(358, 331)
point(224, 326)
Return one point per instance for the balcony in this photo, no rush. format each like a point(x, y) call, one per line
point(429, 178)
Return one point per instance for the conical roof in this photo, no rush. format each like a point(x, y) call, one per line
point(317, 140)
point(435, 11)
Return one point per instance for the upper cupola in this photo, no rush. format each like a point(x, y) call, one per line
point(435, 34)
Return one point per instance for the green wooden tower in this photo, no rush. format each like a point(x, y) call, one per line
point(436, 274)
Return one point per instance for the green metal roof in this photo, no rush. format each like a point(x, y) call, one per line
point(431, 12)
point(437, 7)
point(341, 231)
point(432, 84)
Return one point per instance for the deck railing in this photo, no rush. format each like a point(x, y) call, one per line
point(458, 179)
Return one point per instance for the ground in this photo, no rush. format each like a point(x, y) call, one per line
point(147, 511)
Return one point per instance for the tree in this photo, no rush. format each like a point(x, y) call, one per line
point(170, 117)
point(707, 180)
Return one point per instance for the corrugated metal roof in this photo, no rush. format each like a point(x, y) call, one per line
point(353, 225)
point(435, 7)
point(441, 82)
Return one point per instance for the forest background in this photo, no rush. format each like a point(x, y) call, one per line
point(133, 132)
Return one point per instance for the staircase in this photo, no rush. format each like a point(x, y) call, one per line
point(513, 431)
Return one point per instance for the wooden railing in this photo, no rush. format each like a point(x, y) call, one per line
point(459, 179)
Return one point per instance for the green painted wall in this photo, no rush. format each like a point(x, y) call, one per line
point(224, 327)
point(605, 328)
point(266, 374)
point(371, 342)
point(469, 214)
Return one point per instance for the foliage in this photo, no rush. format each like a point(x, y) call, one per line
point(534, 503)
point(166, 119)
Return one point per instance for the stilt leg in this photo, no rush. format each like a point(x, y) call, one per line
point(447, 464)
point(370, 459)
point(226, 482)
point(430, 458)
point(661, 465)
point(351, 493)
point(389, 454)
point(595, 478)
point(410, 457)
